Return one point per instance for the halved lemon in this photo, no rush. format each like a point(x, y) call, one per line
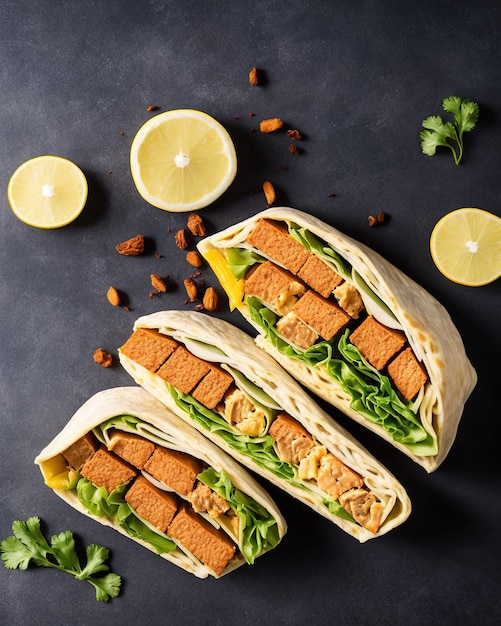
point(465, 246)
point(47, 191)
point(182, 160)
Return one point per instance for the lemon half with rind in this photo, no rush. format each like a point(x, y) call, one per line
point(465, 245)
point(182, 160)
point(47, 191)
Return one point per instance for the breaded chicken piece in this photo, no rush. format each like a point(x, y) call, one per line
point(104, 469)
point(325, 317)
point(205, 500)
point(293, 442)
point(149, 348)
point(151, 503)
point(132, 448)
point(274, 241)
point(407, 373)
point(377, 343)
point(296, 332)
point(183, 370)
point(211, 389)
point(319, 276)
point(274, 286)
point(174, 469)
point(364, 507)
point(211, 546)
point(331, 474)
point(80, 451)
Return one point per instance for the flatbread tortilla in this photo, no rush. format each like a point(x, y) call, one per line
point(216, 341)
point(159, 425)
point(408, 307)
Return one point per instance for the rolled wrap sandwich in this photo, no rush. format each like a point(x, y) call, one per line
point(129, 462)
point(213, 376)
point(349, 325)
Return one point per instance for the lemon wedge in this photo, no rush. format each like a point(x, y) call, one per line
point(182, 160)
point(47, 192)
point(465, 246)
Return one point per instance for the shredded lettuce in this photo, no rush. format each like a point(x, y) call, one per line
point(100, 503)
point(259, 528)
point(240, 260)
point(260, 449)
point(371, 391)
point(322, 249)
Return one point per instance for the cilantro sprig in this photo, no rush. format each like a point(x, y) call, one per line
point(28, 545)
point(439, 133)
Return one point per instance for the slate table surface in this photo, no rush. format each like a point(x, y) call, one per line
point(356, 79)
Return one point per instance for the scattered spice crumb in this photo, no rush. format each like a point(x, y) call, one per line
point(159, 282)
point(294, 134)
point(109, 172)
point(196, 225)
point(121, 133)
point(152, 108)
point(159, 255)
point(154, 294)
point(236, 117)
point(284, 167)
point(253, 76)
point(270, 125)
point(103, 357)
point(251, 114)
point(113, 297)
point(126, 308)
point(193, 258)
point(375, 221)
point(199, 307)
point(331, 195)
point(269, 192)
point(131, 247)
point(180, 238)
point(191, 289)
point(293, 149)
point(210, 299)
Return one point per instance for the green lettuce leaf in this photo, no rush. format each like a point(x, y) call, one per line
point(313, 244)
point(113, 506)
point(371, 391)
point(240, 260)
point(259, 528)
point(259, 449)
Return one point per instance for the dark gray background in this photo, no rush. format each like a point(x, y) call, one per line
point(357, 79)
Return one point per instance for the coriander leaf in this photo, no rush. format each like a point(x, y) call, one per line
point(106, 587)
point(438, 133)
point(452, 105)
point(29, 534)
point(15, 554)
point(469, 116)
point(63, 550)
point(28, 544)
point(96, 555)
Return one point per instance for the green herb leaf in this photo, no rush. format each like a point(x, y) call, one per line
point(106, 587)
point(439, 133)
point(28, 544)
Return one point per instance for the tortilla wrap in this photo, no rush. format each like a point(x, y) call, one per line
point(262, 380)
point(391, 298)
point(159, 425)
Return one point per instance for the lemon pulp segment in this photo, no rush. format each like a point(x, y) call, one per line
point(182, 160)
point(465, 246)
point(47, 192)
